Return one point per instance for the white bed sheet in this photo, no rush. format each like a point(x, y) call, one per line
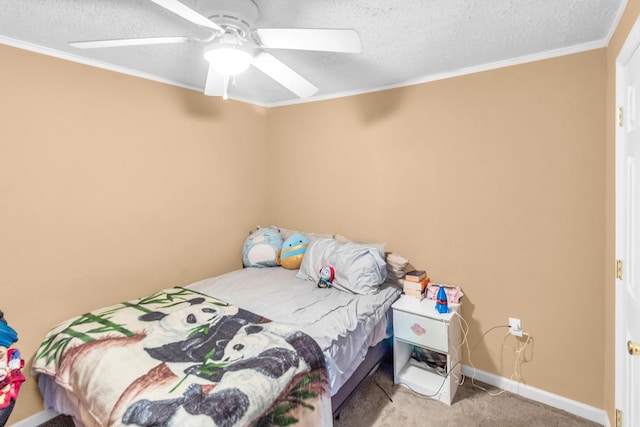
point(344, 325)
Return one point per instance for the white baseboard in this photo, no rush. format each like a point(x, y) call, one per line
point(573, 407)
point(36, 419)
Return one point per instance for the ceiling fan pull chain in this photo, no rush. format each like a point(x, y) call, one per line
point(225, 95)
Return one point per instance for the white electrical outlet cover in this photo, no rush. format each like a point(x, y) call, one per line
point(514, 327)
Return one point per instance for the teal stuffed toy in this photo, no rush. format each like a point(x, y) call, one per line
point(327, 273)
point(293, 249)
point(261, 248)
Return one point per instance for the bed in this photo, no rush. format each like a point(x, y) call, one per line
point(350, 334)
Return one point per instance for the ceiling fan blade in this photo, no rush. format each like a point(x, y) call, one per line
point(187, 13)
point(216, 84)
point(284, 75)
point(327, 40)
point(93, 44)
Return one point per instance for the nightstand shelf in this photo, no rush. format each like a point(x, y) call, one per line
point(419, 330)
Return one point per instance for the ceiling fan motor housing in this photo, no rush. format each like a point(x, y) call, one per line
point(237, 15)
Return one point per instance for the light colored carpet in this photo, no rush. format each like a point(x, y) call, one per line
point(370, 407)
point(472, 407)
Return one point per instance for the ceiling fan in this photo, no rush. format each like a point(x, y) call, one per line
point(234, 44)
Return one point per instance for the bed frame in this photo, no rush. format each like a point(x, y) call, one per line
point(368, 367)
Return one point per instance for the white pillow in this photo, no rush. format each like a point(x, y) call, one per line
point(316, 257)
point(396, 264)
point(344, 239)
point(358, 268)
point(285, 233)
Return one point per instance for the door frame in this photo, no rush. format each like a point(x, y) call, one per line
point(631, 44)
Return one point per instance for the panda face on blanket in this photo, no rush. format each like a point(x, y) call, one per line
point(176, 325)
point(179, 343)
point(255, 341)
point(249, 342)
point(261, 362)
point(256, 349)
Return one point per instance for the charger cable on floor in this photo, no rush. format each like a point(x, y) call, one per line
point(383, 390)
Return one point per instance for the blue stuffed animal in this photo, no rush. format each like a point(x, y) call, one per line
point(261, 248)
point(293, 249)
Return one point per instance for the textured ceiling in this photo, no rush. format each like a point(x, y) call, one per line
point(403, 42)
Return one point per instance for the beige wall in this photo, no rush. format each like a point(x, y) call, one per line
point(492, 181)
point(631, 14)
point(112, 187)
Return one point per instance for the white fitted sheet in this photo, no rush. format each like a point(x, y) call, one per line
point(344, 325)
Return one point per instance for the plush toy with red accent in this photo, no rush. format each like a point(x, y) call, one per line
point(10, 370)
point(327, 273)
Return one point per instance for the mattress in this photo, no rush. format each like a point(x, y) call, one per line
point(345, 325)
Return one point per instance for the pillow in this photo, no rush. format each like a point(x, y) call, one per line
point(261, 248)
point(396, 264)
point(359, 268)
point(396, 268)
point(316, 257)
point(285, 233)
point(379, 246)
point(293, 250)
point(341, 238)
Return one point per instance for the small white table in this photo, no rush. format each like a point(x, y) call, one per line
point(417, 325)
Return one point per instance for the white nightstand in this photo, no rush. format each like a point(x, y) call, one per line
point(417, 325)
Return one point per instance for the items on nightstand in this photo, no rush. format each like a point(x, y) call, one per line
point(415, 284)
point(432, 360)
point(454, 293)
point(415, 275)
point(441, 301)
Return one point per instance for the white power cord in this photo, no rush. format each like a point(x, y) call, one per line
point(518, 352)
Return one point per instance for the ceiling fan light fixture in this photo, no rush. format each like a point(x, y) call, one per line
point(228, 60)
point(234, 43)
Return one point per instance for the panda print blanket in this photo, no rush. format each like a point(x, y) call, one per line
point(182, 358)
